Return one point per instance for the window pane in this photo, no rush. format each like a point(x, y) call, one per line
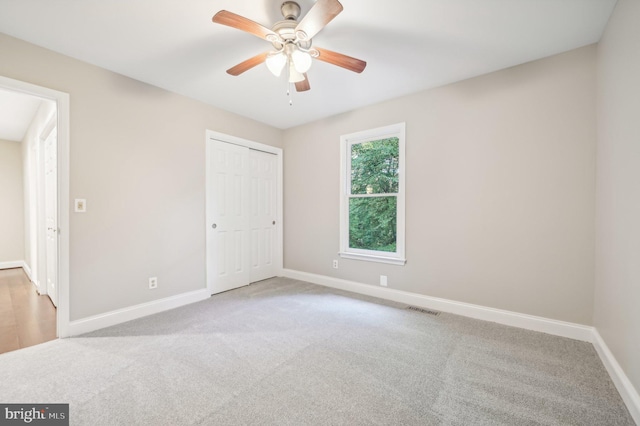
point(372, 223)
point(374, 167)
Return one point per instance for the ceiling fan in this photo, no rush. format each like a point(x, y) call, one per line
point(292, 41)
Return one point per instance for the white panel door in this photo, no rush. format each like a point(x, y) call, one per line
point(51, 215)
point(263, 214)
point(228, 217)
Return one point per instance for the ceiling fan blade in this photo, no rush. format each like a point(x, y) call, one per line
point(344, 61)
point(232, 20)
point(303, 86)
point(320, 15)
point(248, 64)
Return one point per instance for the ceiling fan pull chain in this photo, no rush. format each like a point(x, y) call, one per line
point(289, 93)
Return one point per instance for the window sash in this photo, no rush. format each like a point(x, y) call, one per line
point(367, 238)
point(350, 158)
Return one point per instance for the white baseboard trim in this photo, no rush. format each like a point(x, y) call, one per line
point(17, 264)
point(27, 271)
point(12, 264)
point(626, 389)
point(108, 319)
point(514, 319)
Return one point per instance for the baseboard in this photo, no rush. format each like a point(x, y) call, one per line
point(12, 264)
point(119, 316)
point(626, 389)
point(17, 264)
point(27, 271)
point(515, 319)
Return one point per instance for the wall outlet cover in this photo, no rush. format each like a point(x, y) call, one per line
point(80, 205)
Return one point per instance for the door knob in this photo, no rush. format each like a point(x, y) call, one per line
point(214, 226)
point(274, 222)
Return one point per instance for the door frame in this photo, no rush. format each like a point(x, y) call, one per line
point(63, 127)
point(278, 252)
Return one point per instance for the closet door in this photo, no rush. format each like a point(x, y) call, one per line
point(263, 209)
point(228, 217)
point(241, 216)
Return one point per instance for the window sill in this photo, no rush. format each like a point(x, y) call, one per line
point(372, 258)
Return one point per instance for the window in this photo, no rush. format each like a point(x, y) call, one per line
point(372, 195)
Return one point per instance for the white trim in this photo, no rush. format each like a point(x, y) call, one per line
point(12, 264)
point(62, 105)
point(27, 271)
point(64, 164)
point(380, 259)
point(211, 136)
point(119, 316)
point(280, 215)
point(346, 141)
point(626, 389)
point(514, 319)
point(18, 264)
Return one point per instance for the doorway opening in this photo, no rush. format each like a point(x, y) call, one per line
point(34, 263)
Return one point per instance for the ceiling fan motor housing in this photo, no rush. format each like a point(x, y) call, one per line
point(287, 32)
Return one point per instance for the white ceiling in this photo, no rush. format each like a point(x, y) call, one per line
point(410, 45)
point(16, 114)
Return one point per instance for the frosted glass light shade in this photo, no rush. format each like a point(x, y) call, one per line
point(276, 62)
point(301, 61)
point(294, 75)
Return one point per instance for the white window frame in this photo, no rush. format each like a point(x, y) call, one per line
point(346, 141)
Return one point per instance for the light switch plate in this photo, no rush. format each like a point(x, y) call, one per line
point(80, 205)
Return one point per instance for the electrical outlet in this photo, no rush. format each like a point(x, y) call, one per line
point(335, 264)
point(153, 283)
point(383, 280)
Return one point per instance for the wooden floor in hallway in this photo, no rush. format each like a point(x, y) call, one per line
point(26, 318)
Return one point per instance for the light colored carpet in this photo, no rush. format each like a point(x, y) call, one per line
point(290, 353)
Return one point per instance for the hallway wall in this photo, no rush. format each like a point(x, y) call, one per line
point(11, 203)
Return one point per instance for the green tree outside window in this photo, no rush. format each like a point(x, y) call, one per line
point(373, 195)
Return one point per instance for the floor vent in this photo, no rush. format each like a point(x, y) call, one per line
point(424, 311)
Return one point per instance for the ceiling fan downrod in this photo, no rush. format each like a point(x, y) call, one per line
point(290, 10)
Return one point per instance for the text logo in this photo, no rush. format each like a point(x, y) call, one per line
point(34, 414)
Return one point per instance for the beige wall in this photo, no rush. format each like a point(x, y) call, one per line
point(11, 202)
point(617, 295)
point(138, 157)
point(500, 190)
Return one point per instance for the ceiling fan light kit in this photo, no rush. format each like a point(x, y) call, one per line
point(292, 41)
point(301, 60)
point(290, 54)
point(294, 75)
point(275, 62)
